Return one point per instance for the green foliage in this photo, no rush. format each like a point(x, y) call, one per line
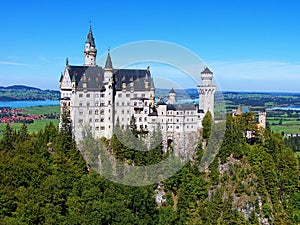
point(207, 124)
point(44, 180)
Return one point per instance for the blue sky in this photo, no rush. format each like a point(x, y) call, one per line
point(250, 45)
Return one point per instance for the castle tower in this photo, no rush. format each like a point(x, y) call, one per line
point(172, 97)
point(109, 97)
point(206, 92)
point(262, 117)
point(90, 51)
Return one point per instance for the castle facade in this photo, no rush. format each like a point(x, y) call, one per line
point(97, 98)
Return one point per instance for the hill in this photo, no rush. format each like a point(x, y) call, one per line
point(44, 180)
point(23, 92)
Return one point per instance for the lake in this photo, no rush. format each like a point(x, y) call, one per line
point(290, 107)
point(25, 104)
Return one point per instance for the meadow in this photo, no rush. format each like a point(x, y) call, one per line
point(38, 124)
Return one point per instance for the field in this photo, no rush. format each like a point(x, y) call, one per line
point(32, 127)
point(42, 110)
point(38, 124)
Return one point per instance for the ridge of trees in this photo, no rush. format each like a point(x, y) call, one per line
point(45, 180)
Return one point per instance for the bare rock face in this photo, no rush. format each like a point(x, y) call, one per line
point(160, 195)
point(185, 144)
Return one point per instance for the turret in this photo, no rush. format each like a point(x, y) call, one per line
point(172, 97)
point(108, 69)
point(90, 51)
point(206, 92)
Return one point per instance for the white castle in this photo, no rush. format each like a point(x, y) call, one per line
point(98, 97)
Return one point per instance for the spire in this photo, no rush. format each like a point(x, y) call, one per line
point(108, 63)
point(67, 61)
point(172, 91)
point(206, 70)
point(89, 37)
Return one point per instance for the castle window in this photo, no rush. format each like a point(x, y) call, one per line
point(122, 119)
point(122, 111)
point(80, 121)
point(177, 120)
point(102, 127)
point(102, 112)
point(87, 95)
point(101, 104)
point(88, 104)
point(96, 112)
point(140, 119)
point(97, 95)
point(146, 103)
point(128, 103)
point(143, 95)
point(123, 103)
point(109, 102)
point(120, 95)
point(97, 104)
point(90, 112)
point(145, 119)
point(141, 126)
point(177, 127)
point(117, 103)
point(102, 95)
point(80, 112)
point(96, 120)
point(127, 95)
point(97, 128)
point(145, 126)
point(80, 103)
point(102, 120)
point(80, 95)
point(90, 120)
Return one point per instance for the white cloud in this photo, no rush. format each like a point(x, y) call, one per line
point(13, 63)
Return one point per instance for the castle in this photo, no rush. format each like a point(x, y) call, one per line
point(97, 98)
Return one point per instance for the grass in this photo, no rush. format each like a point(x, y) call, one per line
point(287, 129)
point(32, 127)
point(42, 110)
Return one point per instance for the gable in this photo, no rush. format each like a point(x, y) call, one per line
point(66, 80)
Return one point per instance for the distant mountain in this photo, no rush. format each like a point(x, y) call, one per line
point(23, 92)
point(20, 87)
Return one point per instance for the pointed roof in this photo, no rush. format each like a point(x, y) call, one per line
point(206, 70)
point(73, 78)
point(108, 63)
point(90, 38)
point(172, 91)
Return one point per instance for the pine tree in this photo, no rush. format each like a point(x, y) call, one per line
point(207, 124)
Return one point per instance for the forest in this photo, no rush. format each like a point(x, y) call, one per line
point(45, 180)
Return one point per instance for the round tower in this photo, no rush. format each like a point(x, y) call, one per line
point(172, 97)
point(262, 117)
point(207, 92)
point(90, 51)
